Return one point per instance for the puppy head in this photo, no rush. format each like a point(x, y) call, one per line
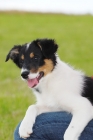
point(36, 59)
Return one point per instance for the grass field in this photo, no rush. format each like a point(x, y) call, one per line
point(74, 34)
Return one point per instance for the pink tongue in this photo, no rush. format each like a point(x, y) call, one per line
point(32, 82)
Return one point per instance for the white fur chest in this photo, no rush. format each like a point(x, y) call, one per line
point(61, 88)
point(45, 94)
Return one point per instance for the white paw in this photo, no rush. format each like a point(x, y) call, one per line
point(70, 135)
point(25, 129)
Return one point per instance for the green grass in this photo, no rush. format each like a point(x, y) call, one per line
point(74, 34)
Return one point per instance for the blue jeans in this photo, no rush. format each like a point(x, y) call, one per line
point(51, 126)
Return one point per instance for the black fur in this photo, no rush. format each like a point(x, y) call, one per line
point(88, 89)
point(14, 54)
point(49, 48)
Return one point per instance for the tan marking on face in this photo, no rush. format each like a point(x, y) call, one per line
point(47, 67)
point(22, 57)
point(31, 55)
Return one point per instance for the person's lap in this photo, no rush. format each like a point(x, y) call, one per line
point(52, 126)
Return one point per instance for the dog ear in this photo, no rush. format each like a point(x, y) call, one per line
point(48, 47)
point(13, 53)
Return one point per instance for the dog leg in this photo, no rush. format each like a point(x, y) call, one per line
point(80, 119)
point(26, 127)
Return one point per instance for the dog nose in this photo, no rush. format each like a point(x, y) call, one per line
point(25, 74)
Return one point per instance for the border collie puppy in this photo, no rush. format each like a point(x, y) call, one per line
point(57, 86)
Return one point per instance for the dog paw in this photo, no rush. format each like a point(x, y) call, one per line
point(70, 136)
point(25, 129)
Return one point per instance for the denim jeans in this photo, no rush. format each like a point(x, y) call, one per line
point(51, 126)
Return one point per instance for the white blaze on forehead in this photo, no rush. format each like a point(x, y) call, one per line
point(27, 47)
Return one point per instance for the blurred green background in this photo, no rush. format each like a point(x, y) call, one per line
point(74, 35)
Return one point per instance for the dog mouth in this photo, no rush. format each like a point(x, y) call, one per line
point(33, 82)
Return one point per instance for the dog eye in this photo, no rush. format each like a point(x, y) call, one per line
point(35, 58)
